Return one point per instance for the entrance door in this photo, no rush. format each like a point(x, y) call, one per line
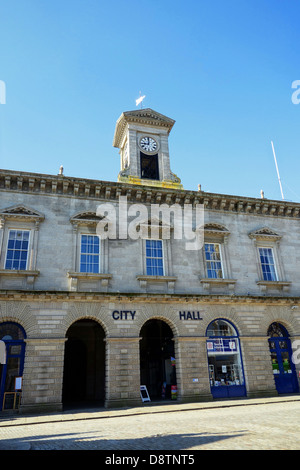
point(13, 337)
point(281, 352)
point(157, 359)
point(84, 365)
point(224, 361)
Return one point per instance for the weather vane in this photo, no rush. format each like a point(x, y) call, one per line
point(140, 100)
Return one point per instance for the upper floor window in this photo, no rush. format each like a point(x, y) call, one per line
point(17, 249)
point(154, 258)
point(213, 261)
point(270, 268)
point(90, 254)
point(267, 264)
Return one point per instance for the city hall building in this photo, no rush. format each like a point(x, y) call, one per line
point(91, 318)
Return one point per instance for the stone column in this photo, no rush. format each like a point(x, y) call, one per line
point(43, 375)
point(192, 369)
point(122, 372)
point(257, 367)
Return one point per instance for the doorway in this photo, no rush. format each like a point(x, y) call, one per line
point(284, 371)
point(225, 364)
point(12, 336)
point(84, 365)
point(157, 359)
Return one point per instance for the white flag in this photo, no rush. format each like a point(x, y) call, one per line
point(139, 100)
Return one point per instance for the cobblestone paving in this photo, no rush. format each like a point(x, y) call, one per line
point(263, 426)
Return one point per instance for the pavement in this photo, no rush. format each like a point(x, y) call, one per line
point(11, 423)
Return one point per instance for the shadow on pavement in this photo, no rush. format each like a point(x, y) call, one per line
point(91, 442)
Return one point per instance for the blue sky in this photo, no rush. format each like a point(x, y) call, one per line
point(223, 70)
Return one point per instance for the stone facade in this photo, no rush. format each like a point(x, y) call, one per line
point(52, 293)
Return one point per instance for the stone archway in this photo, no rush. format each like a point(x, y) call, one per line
point(157, 359)
point(84, 365)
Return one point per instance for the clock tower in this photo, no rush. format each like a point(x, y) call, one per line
point(142, 137)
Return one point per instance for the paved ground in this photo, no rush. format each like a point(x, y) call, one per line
point(269, 424)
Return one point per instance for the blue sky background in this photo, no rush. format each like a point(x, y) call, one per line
point(222, 69)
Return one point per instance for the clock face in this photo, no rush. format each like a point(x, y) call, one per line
point(148, 144)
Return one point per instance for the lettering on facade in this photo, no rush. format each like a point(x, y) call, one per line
point(189, 315)
point(123, 314)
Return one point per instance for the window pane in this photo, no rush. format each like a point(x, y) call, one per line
point(154, 258)
point(275, 365)
point(90, 254)
point(213, 261)
point(17, 250)
point(286, 362)
point(267, 264)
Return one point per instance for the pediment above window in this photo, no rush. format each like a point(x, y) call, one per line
point(85, 218)
point(216, 232)
point(21, 212)
point(264, 233)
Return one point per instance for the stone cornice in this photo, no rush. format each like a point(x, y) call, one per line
point(64, 296)
point(59, 185)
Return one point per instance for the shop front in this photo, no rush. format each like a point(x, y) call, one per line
point(225, 365)
point(12, 338)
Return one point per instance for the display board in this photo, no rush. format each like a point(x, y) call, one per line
point(144, 393)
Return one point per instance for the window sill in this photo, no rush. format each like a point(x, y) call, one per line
point(93, 278)
point(23, 275)
point(212, 282)
point(279, 285)
point(146, 279)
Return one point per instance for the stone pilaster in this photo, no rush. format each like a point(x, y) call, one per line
point(122, 372)
point(191, 369)
point(257, 367)
point(43, 375)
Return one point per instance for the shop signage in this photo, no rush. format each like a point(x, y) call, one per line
point(189, 315)
point(221, 345)
point(123, 314)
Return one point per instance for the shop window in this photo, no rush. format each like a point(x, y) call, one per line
point(224, 360)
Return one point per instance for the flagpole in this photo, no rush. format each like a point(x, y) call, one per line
point(277, 170)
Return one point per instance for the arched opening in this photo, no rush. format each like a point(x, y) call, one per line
point(224, 360)
point(284, 371)
point(157, 360)
point(84, 365)
point(12, 337)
